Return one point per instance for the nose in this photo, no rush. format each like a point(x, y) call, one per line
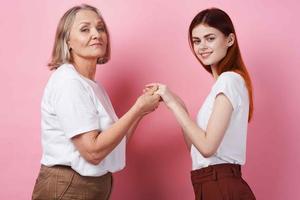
point(95, 33)
point(202, 46)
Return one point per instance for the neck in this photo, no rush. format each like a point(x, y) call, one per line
point(85, 67)
point(214, 71)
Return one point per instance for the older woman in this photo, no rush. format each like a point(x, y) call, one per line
point(83, 140)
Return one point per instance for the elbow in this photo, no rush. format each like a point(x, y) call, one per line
point(208, 152)
point(94, 161)
point(206, 149)
point(94, 158)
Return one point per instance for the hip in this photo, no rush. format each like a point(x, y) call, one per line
point(62, 182)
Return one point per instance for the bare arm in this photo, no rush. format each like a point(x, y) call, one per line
point(132, 128)
point(207, 142)
point(137, 121)
point(95, 146)
point(165, 98)
point(186, 139)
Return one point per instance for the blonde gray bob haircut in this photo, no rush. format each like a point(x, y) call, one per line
point(61, 53)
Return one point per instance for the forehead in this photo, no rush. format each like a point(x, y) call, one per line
point(202, 30)
point(88, 16)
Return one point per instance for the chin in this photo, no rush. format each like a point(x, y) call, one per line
point(206, 62)
point(97, 55)
point(211, 61)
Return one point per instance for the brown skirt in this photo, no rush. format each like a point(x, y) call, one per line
point(62, 182)
point(220, 182)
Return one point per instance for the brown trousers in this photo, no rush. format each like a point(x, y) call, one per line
point(62, 182)
point(220, 182)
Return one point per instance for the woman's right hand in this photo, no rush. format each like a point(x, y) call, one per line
point(164, 92)
point(147, 102)
point(166, 95)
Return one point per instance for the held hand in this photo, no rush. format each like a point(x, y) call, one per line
point(147, 102)
point(151, 89)
point(163, 91)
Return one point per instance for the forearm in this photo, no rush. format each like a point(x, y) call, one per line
point(187, 141)
point(192, 133)
point(179, 100)
point(132, 128)
point(107, 140)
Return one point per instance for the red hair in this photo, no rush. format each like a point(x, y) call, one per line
point(233, 61)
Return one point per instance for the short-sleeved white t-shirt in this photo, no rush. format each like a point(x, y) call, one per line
point(72, 105)
point(233, 146)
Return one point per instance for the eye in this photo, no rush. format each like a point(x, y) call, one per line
point(86, 30)
point(100, 29)
point(196, 42)
point(210, 39)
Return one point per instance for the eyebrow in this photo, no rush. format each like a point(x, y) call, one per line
point(207, 35)
point(88, 23)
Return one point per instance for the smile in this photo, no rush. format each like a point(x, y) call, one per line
point(96, 45)
point(205, 54)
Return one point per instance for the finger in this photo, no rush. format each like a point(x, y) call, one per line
point(151, 84)
point(158, 92)
point(145, 90)
point(149, 92)
point(152, 88)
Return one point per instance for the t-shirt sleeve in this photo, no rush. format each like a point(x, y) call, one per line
point(75, 108)
point(229, 85)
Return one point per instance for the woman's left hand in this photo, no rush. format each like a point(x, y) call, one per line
point(163, 91)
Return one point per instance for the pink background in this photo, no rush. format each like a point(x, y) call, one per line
point(149, 43)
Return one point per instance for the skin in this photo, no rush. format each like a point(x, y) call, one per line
point(210, 46)
point(88, 42)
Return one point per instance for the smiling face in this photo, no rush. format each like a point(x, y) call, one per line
point(209, 44)
point(88, 37)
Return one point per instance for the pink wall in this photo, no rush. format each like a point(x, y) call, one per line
point(149, 43)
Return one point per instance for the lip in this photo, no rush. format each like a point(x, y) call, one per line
point(205, 54)
point(97, 44)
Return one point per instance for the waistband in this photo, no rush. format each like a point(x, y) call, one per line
point(68, 169)
point(215, 172)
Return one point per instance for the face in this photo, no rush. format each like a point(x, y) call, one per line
point(88, 37)
point(210, 44)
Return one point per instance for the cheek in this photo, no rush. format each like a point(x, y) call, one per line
point(195, 49)
point(105, 38)
point(79, 46)
point(220, 49)
point(78, 40)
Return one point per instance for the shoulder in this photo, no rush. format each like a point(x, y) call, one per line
point(231, 77)
point(232, 85)
point(64, 72)
point(231, 80)
point(66, 78)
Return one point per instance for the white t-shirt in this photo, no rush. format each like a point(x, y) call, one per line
point(71, 105)
point(233, 146)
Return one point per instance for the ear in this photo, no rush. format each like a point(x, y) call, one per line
point(69, 45)
point(230, 39)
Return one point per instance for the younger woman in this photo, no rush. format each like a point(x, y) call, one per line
point(217, 140)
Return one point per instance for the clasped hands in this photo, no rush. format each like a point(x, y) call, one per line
point(153, 94)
